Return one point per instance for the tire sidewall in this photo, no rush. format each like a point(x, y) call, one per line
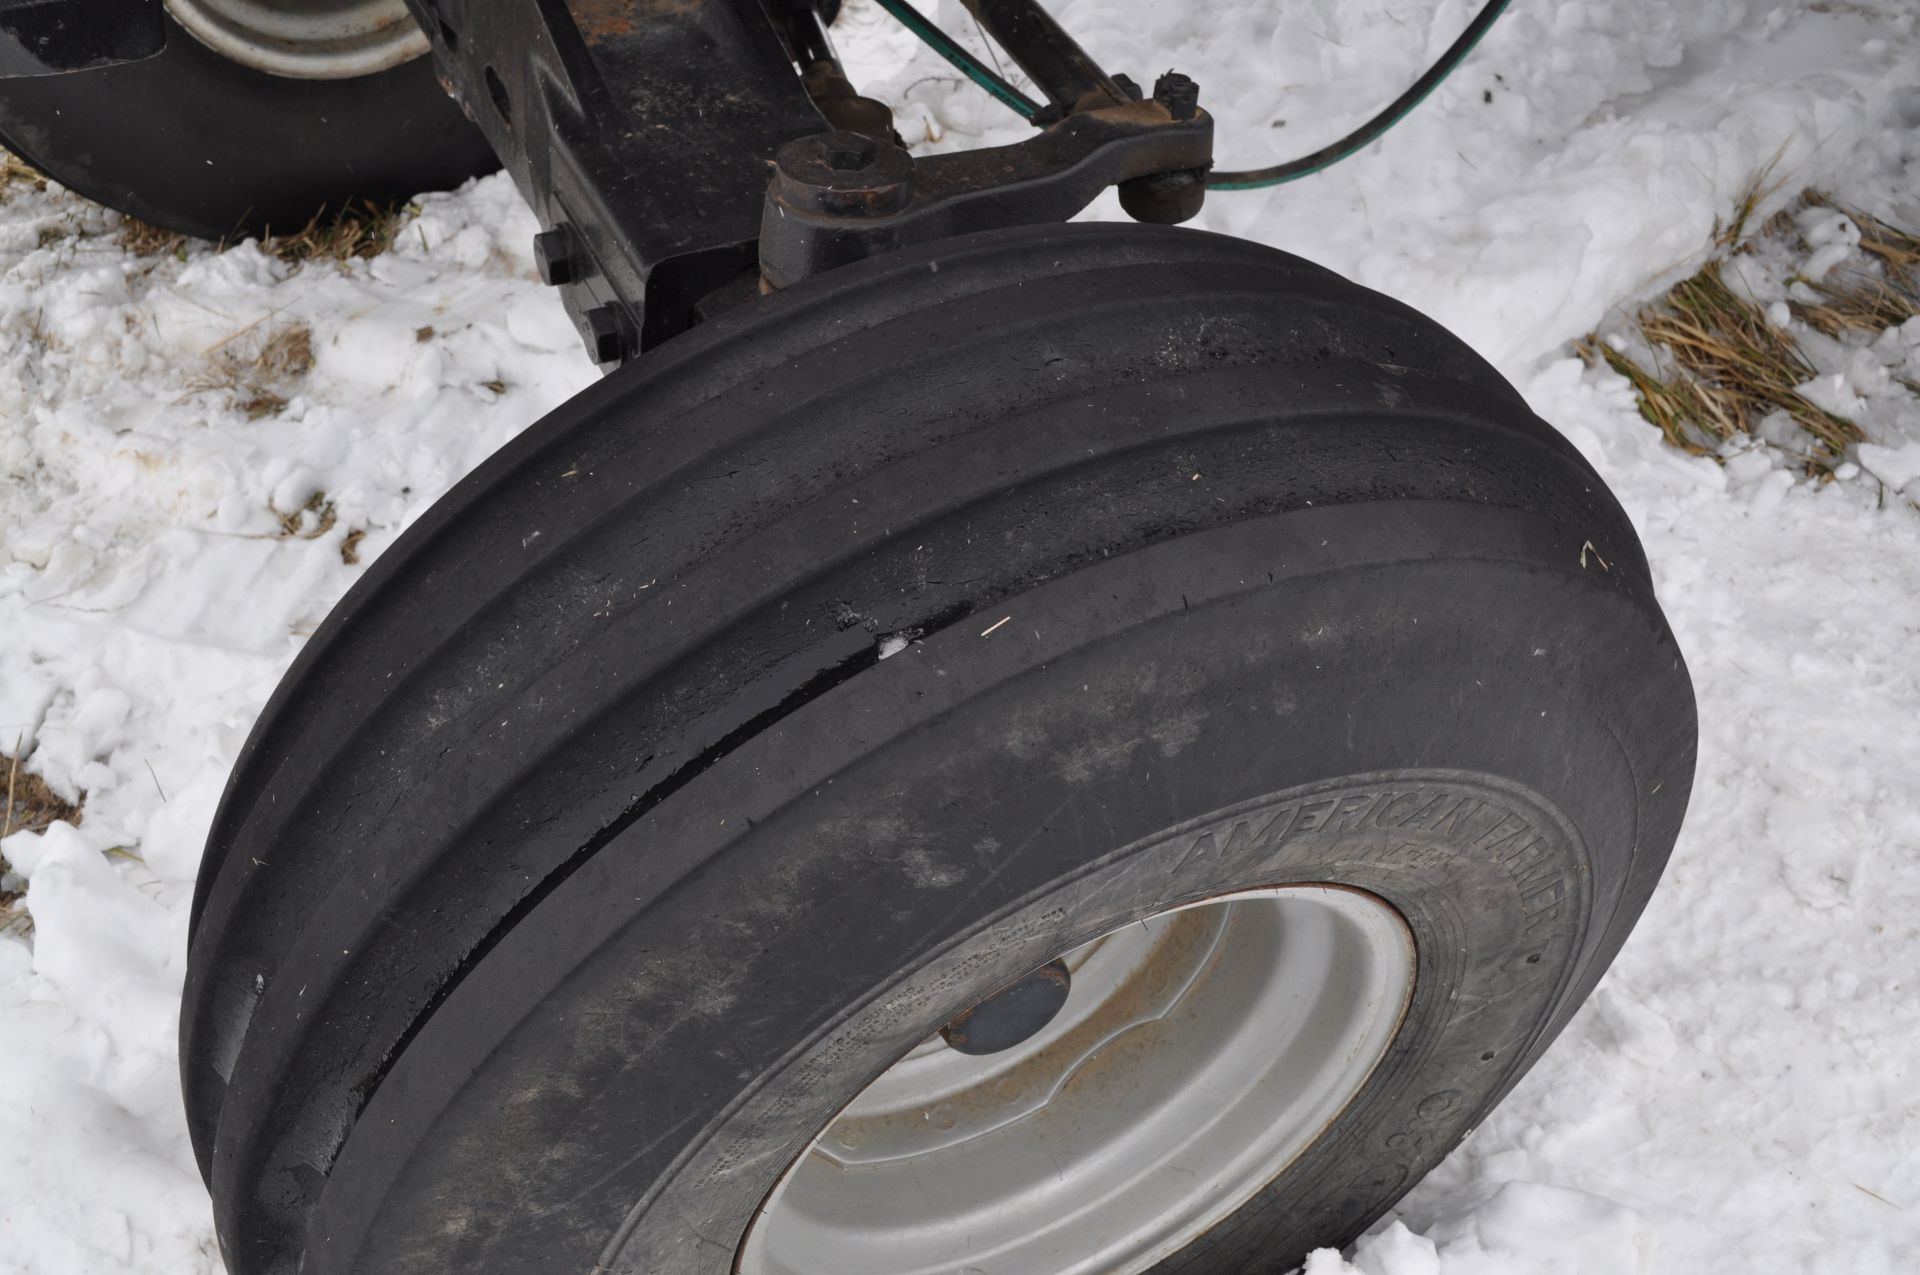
point(194, 142)
point(1486, 877)
point(906, 868)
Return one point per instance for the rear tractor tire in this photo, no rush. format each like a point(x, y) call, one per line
point(259, 115)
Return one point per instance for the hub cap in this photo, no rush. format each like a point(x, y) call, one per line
point(1198, 1053)
point(305, 39)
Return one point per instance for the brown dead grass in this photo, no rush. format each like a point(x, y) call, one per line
point(143, 239)
point(1731, 235)
point(1871, 300)
point(285, 354)
point(1854, 302)
point(15, 171)
point(256, 364)
point(31, 806)
point(295, 525)
point(1721, 366)
point(1898, 249)
point(356, 233)
point(1731, 368)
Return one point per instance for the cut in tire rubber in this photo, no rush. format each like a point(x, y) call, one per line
point(848, 658)
point(193, 142)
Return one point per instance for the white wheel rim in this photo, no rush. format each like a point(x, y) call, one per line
point(305, 39)
point(1199, 1053)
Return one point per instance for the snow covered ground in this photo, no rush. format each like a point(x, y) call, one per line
point(1742, 1094)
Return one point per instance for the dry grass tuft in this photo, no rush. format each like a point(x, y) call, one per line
point(260, 403)
point(15, 171)
point(1674, 407)
point(31, 806)
point(1720, 366)
point(359, 232)
point(1857, 303)
point(143, 239)
point(1731, 235)
point(1858, 299)
point(1898, 249)
point(256, 363)
point(294, 524)
point(1731, 368)
point(287, 353)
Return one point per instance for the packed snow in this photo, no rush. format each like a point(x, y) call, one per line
point(202, 450)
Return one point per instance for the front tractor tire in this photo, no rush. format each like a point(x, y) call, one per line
point(655, 863)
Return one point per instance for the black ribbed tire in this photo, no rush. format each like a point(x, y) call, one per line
point(591, 858)
point(196, 143)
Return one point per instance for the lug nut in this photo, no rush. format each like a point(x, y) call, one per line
point(556, 256)
point(1179, 94)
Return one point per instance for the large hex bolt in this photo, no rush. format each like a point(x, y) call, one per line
point(842, 174)
point(606, 335)
point(556, 253)
point(1178, 93)
point(1167, 199)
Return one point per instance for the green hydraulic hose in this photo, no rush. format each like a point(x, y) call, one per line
point(1358, 140)
point(970, 66)
point(1253, 179)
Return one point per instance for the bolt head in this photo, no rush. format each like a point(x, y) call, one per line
point(555, 258)
point(1178, 93)
point(842, 174)
point(848, 152)
point(606, 335)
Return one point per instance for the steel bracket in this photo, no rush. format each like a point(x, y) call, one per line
point(838, 197)
point(645, 133)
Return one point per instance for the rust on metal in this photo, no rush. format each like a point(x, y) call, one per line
point(601, 21)
point(1013, 1014)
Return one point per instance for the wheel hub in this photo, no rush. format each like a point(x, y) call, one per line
point(1197, 1054)
point(305, 39)
point(1013, 1015)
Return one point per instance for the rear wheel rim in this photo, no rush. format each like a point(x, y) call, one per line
point(305, 39)
point(1200, 1052)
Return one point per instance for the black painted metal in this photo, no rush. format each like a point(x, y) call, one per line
point(1071, 80)
point(51, 37)
point(831, 204)
point(645, 129)
point(644, 134)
